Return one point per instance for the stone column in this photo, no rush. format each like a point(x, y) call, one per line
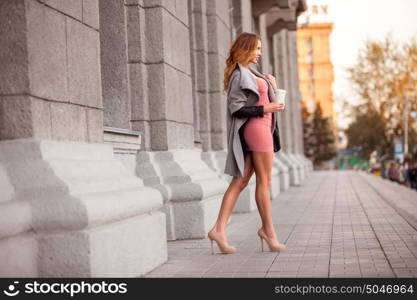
point(218, 20)
point(222, 16)
point(121, 70)
point(266, 67)
point(241, 13)
point(68, 208)
point(199, 73)
point(295, 109)
point(299, 151)
point(192, 192)
point(114, 64)
point(283, 67)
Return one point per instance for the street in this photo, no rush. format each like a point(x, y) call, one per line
point(335, 224)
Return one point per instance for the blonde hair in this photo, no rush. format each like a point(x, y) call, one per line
point(240, 52)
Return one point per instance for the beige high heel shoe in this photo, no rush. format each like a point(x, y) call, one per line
point(272, 247)
point(224, 248)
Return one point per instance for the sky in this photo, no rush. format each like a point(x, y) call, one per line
point(356, 20)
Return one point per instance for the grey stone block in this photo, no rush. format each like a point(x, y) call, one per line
point(91, 13)
point(19, 256)
point(203, 100)
point(159, 135)
point(224, 42)
point(179, 106)
point(176, 43)
point(15, 117)
point(138, 80)
point(161, 27)
point(177, 8)
point(114, 68)
point(170, 99)
point(200, 75)
point(215, 63)
point(69, 122)
point(24, 116)
point(41, 118)
point(8, 193)
point(14, 76)
point(72, 8)
point(95, 218)
point(145, 129)
point(94, 125)
point(126, 245)
point(218, 140)
point(219, 40)
point(171, 135)
point(156, 91)
point(134, 22)
point(246, 16)
point(222, 11)
point(197, 6)
point(46, 52)
point(284, 177)
point(198, 29)
point(153, 32)
point(212, 34)
point(191, 190)
point(218, 110)
point(84, 78)
point(133, 2)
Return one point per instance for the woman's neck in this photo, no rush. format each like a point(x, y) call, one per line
point(245, 66)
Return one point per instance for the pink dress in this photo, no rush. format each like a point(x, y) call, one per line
point(258, 131)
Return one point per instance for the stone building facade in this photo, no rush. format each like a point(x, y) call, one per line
point(113, 127)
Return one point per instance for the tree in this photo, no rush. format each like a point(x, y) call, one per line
point(384, 76)
point(367, 133)
point(319, 143)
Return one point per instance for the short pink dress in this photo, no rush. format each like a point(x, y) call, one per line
point(258, 131)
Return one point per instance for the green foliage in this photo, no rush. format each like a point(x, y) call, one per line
point(384, 75)
point(319, 143)
point(368, 133)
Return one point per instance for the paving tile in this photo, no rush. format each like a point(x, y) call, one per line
point(335, 224)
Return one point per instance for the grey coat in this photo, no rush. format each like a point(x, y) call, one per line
point(243, 91)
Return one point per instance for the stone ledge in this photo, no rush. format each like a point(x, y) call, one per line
point(124, 141)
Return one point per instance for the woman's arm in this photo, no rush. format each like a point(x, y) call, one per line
point(249, 111)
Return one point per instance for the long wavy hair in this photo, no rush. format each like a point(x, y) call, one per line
point(240, 51)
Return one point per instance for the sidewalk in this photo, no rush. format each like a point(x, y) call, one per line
point(336, 224)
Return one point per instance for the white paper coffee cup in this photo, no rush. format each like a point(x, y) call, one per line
point(280, 95)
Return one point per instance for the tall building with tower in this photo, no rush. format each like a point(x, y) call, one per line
point(314, 60)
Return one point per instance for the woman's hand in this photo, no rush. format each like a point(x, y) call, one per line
point(274, 107)
point(272, 80)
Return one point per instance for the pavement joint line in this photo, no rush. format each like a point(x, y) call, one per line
point(398, 210)
point(332, 229)
point(299, 218)
point(400, 214)
point(370, 223)
point(339, 224)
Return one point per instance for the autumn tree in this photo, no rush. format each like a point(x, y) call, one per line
point(385, 79)
point(319, 142)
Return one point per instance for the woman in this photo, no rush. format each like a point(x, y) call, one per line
point(253, 138)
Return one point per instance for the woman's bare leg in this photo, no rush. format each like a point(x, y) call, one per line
point(262, 164)
point(230, 196)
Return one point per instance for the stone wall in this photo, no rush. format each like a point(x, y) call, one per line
point(50, 77)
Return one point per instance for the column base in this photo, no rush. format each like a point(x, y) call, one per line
point(216, 161)
point(305, 162)
point(293, 168)
point(284, 175)
point(192, 192)
point(300, 165)
point(70, 209)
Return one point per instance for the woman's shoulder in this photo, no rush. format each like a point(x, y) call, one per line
point(235, 75)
